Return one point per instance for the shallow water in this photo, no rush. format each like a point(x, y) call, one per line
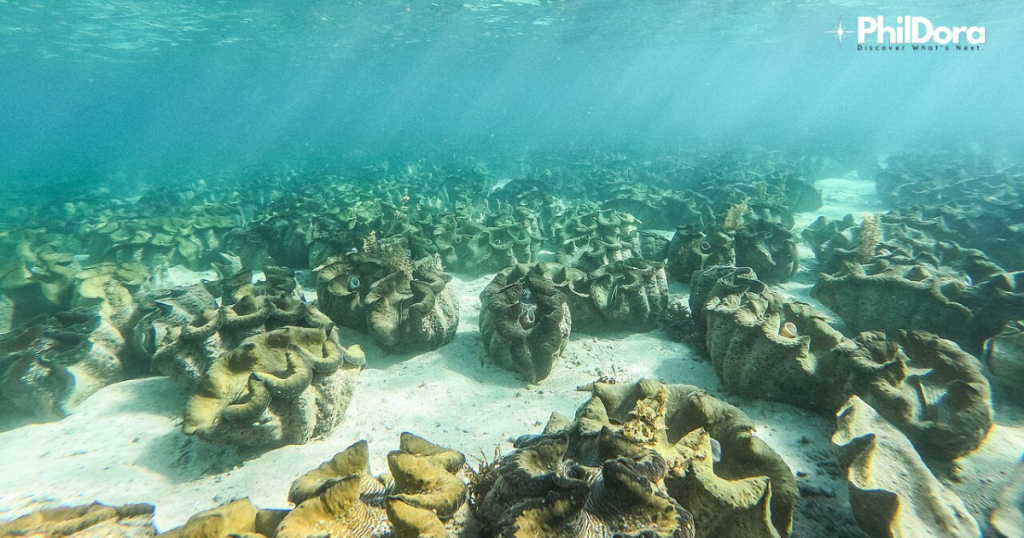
point(158, 152)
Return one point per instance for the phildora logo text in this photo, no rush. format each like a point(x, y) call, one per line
point(916, 33)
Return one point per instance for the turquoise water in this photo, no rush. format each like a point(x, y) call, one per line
point(237, 237)
point(98, 90)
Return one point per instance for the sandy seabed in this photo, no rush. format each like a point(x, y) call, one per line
point(124, 444)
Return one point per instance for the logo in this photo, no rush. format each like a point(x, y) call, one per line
point(911, 33)
point(840, 31)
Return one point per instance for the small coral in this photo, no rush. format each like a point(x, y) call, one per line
point(734, 216)
point(370, 243)
point(647, 419)
point(395, 256)
point(482, 477)
point(869, 237)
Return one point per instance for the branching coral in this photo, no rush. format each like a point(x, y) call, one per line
point(370, 243)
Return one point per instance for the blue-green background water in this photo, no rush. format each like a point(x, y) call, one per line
point(142, 90)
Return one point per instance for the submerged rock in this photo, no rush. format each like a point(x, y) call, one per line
point(1008, 516)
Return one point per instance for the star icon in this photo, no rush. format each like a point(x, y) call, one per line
point(840, 32)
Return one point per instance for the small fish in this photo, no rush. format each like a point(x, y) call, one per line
point(353, 250)
point(353, 283)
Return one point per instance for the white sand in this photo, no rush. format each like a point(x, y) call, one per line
point(124, 444)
